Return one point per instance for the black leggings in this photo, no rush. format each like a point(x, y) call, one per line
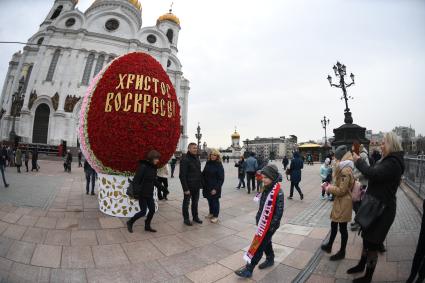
point(145, 203)
point(342, 230)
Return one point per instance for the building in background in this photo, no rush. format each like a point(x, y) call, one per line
point(407, 137)
point(272, 148)
point(235, 150)
point(68, 50)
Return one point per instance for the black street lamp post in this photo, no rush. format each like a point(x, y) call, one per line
point(325, 123)
point(349, 132)
point(17, 101)
point(198, 136)
point(340, 71)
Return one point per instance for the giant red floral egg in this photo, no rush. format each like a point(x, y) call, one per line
point(130, 108)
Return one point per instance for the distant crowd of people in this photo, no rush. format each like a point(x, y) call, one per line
point(16, 157)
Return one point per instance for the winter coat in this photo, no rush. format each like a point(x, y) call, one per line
point(251, 164)
point(190, 173)
point(69, 157)
point(241, 168)
point(213, 177)
point(163, 171)
point(285, 161)
point(18, 157)
point(278, 211)
point(87, 168)
point(384, 180)
point(325, 173)
point(357, 174)
point(145, 179)
point(341, 190)
point(296, 165)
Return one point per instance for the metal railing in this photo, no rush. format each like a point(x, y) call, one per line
point(414, 175)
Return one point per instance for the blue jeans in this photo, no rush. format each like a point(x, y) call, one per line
point(214, 205)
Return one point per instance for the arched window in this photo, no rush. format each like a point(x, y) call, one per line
point(57, 12)
point(170, 35)
point(87, 69)
point(40, 40)
point(99, 64)
point(52, 66)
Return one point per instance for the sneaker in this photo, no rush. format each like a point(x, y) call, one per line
point(209, 216)
point(323, 197)
point(289, 197)
point(266, 263)
point(214, 220)
point(244, 272)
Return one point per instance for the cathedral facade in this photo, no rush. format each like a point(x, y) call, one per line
point(44, 85)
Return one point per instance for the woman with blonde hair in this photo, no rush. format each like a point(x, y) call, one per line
point(213, 177)
point(384, 179)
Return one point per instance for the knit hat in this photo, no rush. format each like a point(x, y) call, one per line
point(340, 152)
point(271, 172)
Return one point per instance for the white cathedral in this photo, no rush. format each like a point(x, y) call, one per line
point(53, 71)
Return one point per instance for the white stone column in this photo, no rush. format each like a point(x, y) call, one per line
point(16, 81)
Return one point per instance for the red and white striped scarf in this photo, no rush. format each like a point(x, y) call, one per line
point(264, 222)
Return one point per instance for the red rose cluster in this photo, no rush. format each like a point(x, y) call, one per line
point(130, 108)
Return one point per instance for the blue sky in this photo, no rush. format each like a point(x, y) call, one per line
point(262, 65)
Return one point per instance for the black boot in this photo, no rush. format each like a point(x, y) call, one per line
point(327, 247)
point(130, 226)
point(197, 220)
point(370, 269)
point(149, 229)
point(338, 256)
point(187, 222)
point(266, 263)
point(359, 267)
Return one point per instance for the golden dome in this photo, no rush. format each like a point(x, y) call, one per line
point(169, 17)
point(136, 4)
point(235, 135)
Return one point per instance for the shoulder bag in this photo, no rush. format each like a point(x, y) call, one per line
point(370, 210)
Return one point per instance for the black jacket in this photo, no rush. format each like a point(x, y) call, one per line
point(213, 177)
point(241, 165)
point(145, 179)
point(190, 173)
point(278, 211)
point(87, 168)
point(384, 180)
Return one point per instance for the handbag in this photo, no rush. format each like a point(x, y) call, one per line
point(370, 210)
point(131, 190)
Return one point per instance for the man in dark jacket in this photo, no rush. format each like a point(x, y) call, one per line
point(191, 180)
point(285, 162)
point(90, 177)
point(2, 166)
point(295, 168)
point(270, 175)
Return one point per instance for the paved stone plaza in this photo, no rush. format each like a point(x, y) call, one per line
point(51, 231)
